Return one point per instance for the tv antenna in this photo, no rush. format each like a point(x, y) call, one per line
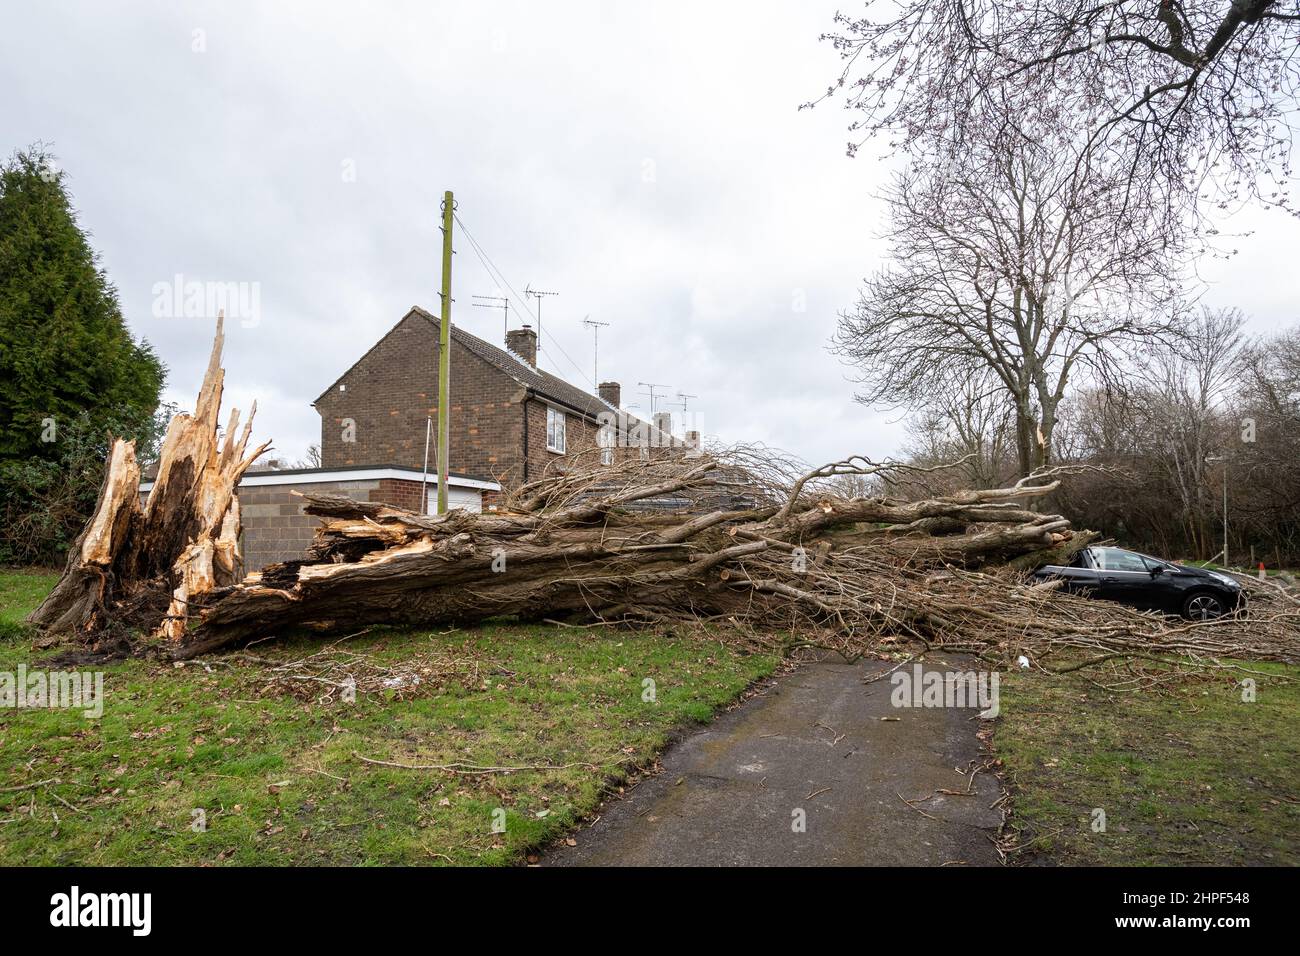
point(684, 399)
point(538, 294)
point(494, 302)
point(595, 345)
point(650, 390)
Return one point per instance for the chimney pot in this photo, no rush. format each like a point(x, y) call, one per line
point(664, 425)
point(610, 392)
point(523, 342)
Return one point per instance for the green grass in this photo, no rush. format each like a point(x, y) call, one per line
point(1189, 774)
point(1271, 572)
point(20, 592)
point(273, 766)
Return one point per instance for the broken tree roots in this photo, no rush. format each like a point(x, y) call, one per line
point(146, 567)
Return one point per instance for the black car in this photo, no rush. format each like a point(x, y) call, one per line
point(1148, 583)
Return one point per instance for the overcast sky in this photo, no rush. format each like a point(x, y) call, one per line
point(646, 161)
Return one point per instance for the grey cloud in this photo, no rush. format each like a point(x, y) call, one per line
point(646, 161)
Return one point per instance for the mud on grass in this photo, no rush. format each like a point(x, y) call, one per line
point(1187, 774)
point(275, 771)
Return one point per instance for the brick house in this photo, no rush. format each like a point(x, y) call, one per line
point(511, 422)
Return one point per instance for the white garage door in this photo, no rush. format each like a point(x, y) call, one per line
point(468, 499)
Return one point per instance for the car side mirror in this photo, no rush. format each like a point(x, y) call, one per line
point(1156, 572)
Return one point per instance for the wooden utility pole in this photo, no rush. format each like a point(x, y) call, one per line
point(444, 355)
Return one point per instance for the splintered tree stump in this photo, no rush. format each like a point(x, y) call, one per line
point(78, 600)
point(148, 568)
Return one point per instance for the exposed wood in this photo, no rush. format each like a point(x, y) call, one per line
point(80, 594)
point(591, 554)
point(131, 562)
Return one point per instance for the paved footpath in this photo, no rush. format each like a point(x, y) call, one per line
point(815, 742)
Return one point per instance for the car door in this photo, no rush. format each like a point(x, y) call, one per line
point(1078, 577)
point(1165, 592)
point(1124, 576)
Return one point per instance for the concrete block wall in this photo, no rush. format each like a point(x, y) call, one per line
point(276, 529)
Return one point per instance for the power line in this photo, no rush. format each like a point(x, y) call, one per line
point(497, 276)
point(494, 302)
point(494, 272)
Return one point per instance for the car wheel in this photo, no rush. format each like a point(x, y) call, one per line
point(1202, 607)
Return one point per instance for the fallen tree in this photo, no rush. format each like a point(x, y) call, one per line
point(730, 536)
point(603, 558)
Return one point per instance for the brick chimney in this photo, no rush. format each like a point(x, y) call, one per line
point(664, 423)
point(523, 342)
point(611, 392)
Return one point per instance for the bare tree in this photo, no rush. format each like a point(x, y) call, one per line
point(972, 424)
point(1265, 451)
point(1183, 413)
point(1210, 395)
point(1013, 271)
point(311, 459)
point(1173, 92)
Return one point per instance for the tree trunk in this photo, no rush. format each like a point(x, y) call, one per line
point(600, 558)
point(145, 567)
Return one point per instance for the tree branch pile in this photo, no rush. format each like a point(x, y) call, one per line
point(727, 537)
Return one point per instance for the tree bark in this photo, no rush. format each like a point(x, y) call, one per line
point(146, 567)
point(600, 558)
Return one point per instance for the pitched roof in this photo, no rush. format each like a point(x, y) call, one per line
point(543, 383)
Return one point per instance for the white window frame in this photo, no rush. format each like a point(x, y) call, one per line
point(555, 430)
point(606, 438)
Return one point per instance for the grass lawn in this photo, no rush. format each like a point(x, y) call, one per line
point(1186, 775)
point(270, 758)
point(20, 592)
point(1287, 574)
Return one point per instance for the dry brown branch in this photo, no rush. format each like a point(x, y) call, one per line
point(470, 770)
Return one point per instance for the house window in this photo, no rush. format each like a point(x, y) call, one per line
point(605, 438)
point(554, 430)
